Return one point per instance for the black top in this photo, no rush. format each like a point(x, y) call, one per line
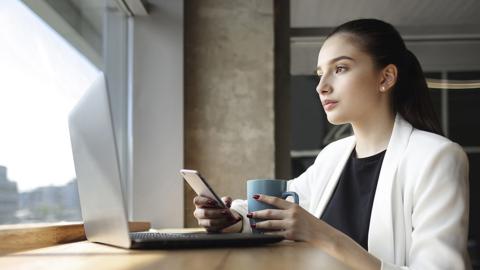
point(350, 206)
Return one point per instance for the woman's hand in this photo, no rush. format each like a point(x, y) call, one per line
point(214, 218)
point(289, 220)
point(294, 223)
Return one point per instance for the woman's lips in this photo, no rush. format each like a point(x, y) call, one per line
point(329, 105)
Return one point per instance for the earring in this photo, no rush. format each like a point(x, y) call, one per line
point(383, 88)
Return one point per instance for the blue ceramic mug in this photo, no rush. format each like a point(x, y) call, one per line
point(271, 187)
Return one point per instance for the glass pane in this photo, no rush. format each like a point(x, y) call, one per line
point(464, 111)
point(436, 94)
point(43, 76)
point(309, 123)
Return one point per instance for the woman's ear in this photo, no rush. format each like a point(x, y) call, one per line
point(388, 77)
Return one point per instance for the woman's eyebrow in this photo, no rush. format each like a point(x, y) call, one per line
point(335, 60)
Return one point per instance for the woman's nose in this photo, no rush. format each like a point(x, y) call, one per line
point(323, 87)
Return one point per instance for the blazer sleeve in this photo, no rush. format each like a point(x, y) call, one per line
point(302, 185)
point(241, 207)
point(440, 213)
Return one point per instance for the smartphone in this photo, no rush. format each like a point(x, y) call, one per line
point(200, 186)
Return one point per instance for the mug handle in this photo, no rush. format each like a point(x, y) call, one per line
point(290, 193)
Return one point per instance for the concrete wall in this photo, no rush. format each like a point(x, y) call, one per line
point(229, 94)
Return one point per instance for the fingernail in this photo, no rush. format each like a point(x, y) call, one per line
point(256, 196)
point(210, 202)
point(249, 215)
point(253, 226)
point(225, 212)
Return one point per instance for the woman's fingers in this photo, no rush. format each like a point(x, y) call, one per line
point(207, 213)
point(277, 202)
point(204, 202)
point(268, 214)
point(214, 223)
point(227, 201)
point(218, 224)
point(211, 216)
point(271, 225)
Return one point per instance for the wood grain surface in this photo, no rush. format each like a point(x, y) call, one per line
point(85, 255)
point(30, 236)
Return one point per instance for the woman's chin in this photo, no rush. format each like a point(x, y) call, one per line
point(335, 119)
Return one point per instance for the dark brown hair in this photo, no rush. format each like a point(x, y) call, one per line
point(410, 95)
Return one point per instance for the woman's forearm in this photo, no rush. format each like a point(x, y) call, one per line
point(346, 250)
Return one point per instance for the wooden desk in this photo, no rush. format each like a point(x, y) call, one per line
point(84, 255)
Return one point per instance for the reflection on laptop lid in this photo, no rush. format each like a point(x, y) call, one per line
point(99, 185)
point(96, 167)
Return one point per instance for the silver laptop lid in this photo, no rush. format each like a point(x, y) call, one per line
point(97, 169)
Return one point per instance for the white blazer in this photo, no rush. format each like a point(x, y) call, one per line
point(419, 217)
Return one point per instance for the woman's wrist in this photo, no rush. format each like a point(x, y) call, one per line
point(326, 238)
point(355, 256)
point(236, 227)
point(240, 222)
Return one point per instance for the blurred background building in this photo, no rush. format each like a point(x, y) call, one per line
point(42, 204)
point(8, 198)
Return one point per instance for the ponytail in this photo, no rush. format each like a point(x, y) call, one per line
point(410, 95)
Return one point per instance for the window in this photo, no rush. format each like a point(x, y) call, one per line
point(44, 73)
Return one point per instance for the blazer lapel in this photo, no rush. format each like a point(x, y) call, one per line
point(332, 182)
point(381, 237)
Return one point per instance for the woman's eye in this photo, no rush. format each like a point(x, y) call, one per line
point(340, 69)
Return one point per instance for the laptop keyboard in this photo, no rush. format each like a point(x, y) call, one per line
point(154, 240)
point(163, 236)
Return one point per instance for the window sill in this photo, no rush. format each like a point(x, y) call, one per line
point(21, 237)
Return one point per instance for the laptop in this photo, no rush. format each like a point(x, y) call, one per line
point(100, 190)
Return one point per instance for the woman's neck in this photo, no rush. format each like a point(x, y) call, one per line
point(373, 133)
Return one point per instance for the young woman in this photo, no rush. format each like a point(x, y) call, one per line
point(392, 196)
